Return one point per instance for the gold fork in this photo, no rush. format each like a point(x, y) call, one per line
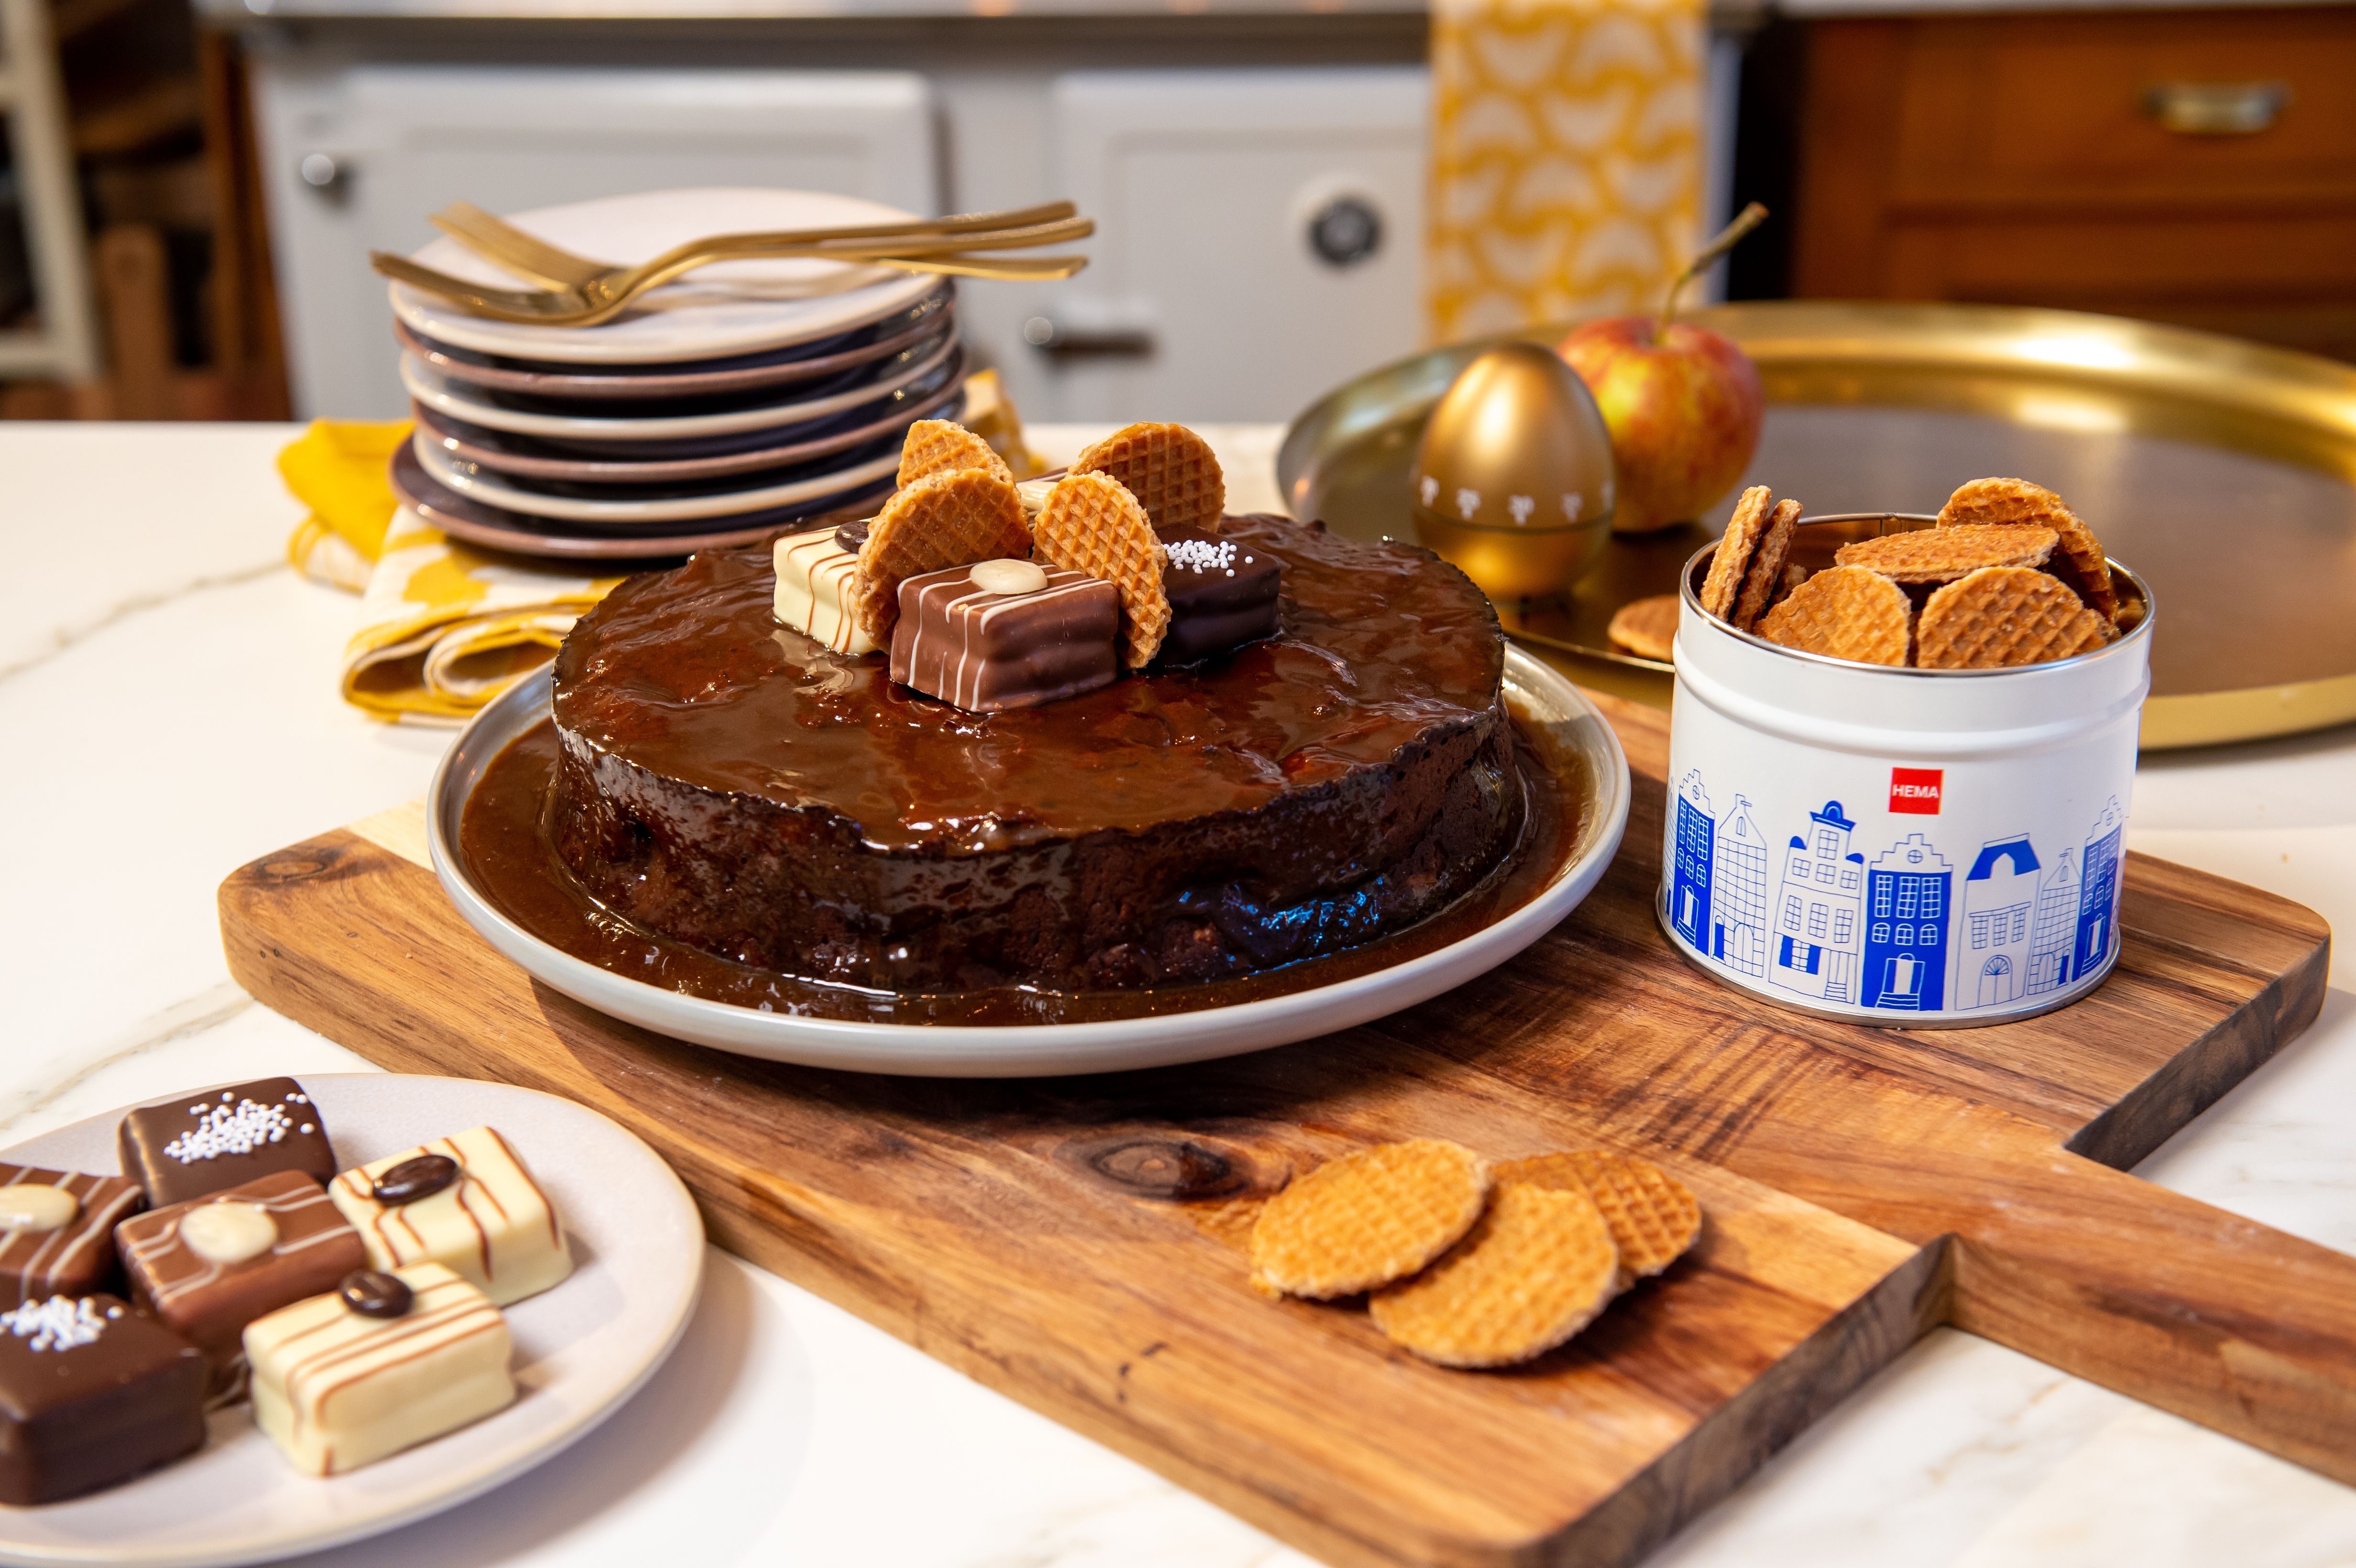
point(605, 294)
point(528, 256)
point(567, 307)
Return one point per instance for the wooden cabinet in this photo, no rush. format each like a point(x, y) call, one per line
point(2190, 167)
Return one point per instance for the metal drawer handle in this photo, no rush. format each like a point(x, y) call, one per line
point(1060, 341)
point(2217, 107)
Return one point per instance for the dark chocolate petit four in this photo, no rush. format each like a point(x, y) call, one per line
point(57, 1231)
point(1223, 594)
point(185, 1149)
point(209, 1267)
point(1006, 634)
point(93, 1393)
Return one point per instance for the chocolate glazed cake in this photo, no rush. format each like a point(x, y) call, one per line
point(729, 782)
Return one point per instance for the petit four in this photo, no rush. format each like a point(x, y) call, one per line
point(816, 578)
point(1222, 593)
point(209, 1267)
point(465, 1201)
point(57, 1231)
point(93, 1393)
point(1006, 634)
point(379, 1364)
point(183, 1148)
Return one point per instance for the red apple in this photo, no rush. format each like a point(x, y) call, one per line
point(1683, 409)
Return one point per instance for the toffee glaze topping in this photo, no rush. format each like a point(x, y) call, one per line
point(687, 674)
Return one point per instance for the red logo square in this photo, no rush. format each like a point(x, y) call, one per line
point(1915, 792)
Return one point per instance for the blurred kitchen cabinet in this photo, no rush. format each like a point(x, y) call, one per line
point(2194, 167)
point(1260, 239)
point(354, 157)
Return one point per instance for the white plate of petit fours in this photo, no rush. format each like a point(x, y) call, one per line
point(269, 1318)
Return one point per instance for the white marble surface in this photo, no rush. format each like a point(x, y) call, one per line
point(167, 693)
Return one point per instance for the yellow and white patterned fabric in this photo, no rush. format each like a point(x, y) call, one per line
point(443, 627)
point(1566, 158)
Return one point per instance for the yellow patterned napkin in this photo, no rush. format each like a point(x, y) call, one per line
point(443, 627)
point(337, 469)
point(1566, 156)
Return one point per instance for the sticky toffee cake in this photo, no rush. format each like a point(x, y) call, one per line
point(728, 781)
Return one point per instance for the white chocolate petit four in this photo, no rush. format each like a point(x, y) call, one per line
point(815, 587)
point(378, 1365)
point(465, 1201)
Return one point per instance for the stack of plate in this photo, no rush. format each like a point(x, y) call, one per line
point(746, 398)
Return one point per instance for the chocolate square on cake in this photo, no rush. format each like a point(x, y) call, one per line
point(465, 1201)
point(964, 638)
point(1223, 594)
point(212, 1265)
point(57, 1231)
point(381, 1364)
point(185, 1149)
point(93, 1393)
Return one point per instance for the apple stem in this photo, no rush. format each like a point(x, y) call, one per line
point(1749, 218)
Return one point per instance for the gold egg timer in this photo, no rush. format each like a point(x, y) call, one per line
point(1512, 479)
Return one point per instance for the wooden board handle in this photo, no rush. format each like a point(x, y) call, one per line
point(2224, 1321)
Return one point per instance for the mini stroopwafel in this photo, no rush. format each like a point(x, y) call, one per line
point(1367, 1219)
point(1844, 612)
point(942, 520)
point(1941, 555)
point(937, 446)
point(1171, 471)
point(1646, 627)
point(1091, 523)
point(1732, 560)
point(2005, 615)
point(2015, 503)
point(1764, 580)
point(1535, 1270)
point(1654, 1218)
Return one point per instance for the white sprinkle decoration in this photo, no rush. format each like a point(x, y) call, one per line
point(306, 1127)
point(1202, 555)
point(222, 1131)
point(61, 1323)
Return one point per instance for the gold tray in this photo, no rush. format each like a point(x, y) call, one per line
point(2223, 472)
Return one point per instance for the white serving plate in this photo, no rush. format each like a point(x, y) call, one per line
point(733, 307)
point(460, 401)
point(477, 483)
point(581, 1348)
point(1541, 695)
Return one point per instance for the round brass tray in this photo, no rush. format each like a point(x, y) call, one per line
point(2223, 472)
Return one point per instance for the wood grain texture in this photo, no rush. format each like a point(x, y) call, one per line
point(2017, 159)
point(1077, 1242)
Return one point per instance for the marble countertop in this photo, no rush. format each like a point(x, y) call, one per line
point(169, 687)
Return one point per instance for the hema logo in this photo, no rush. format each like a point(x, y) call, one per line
point(1915, 792)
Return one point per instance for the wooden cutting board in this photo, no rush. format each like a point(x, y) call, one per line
point(1077, 1242)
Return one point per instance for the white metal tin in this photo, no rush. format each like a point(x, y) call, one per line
point(1927, 849)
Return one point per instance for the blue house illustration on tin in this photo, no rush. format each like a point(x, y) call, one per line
point(1817, 905)
point(1738, 894)
point(1908, 894)
point(1999, 908)
point(2054, 936)
point(2098, 892)
point(1689, 878)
